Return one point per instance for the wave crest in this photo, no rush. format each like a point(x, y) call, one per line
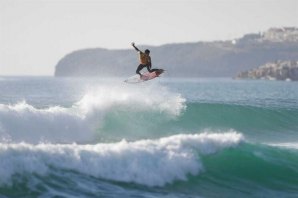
point(147, 162)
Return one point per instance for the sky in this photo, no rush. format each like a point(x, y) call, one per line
point(36, 34)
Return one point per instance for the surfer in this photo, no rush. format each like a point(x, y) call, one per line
point(145, 60)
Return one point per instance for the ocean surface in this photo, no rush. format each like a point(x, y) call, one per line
point(180, 138)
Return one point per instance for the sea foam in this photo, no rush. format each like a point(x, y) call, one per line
point(146, 162)
point(288, 145)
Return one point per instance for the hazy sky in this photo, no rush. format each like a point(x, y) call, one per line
point(35, 34)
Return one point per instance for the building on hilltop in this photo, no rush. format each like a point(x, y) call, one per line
point(289, 34)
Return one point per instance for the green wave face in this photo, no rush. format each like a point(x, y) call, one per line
point(256, 123)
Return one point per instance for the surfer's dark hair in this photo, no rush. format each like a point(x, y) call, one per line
point(147, 51)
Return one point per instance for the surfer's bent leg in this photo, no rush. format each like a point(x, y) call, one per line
point(140, 67)
point(148, 68)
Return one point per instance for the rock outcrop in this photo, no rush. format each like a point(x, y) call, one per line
point(279, 70)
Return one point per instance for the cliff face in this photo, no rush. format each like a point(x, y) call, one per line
point(202, 59)
point(279, 70)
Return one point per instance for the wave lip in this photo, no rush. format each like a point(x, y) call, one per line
point(23, 122)
point(146, 162)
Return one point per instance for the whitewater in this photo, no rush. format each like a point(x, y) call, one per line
point(64, 137)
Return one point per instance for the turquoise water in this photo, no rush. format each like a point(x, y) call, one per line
point(80, 137)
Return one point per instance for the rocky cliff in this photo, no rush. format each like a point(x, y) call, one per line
point(279, 70)
point(201, 59)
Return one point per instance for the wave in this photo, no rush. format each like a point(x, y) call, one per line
point(81, 121)
point(146, 162)
point(111, 113)
point(205, 164)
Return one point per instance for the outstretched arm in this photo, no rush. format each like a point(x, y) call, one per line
point(133, 44)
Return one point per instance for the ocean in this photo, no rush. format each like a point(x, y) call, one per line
point(180, 138)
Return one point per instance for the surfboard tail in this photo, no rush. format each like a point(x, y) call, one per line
point(159, 71)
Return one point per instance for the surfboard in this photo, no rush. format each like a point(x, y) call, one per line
point(145, 76)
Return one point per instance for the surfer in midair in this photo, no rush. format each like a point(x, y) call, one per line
point(145, 60)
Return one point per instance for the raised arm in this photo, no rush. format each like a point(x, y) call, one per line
point(133, 44)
